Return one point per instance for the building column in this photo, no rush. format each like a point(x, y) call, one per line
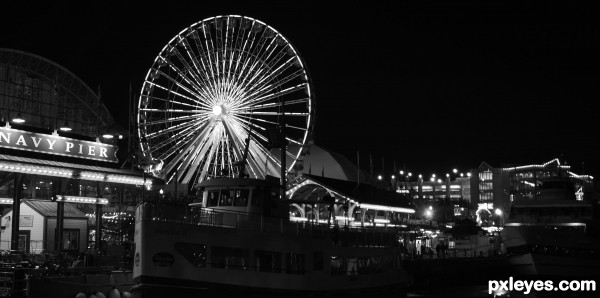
point(60, 224)
point(16, 213)
point(98, 220)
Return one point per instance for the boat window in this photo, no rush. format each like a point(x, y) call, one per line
point(337, 265)
point(295, 263)
point(241, 197)
point(226, 197)
point(256, 197)
point(195, 253)
point(213, 198)
point(318, 261)
point(268, 261)
point(229, 258)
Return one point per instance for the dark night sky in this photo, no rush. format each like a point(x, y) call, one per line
point(433, 85)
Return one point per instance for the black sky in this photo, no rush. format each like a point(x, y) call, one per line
point(432, 85)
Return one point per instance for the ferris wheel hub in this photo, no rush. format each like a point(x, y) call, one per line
point(218, 110)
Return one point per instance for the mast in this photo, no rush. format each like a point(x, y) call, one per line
point(283, 150)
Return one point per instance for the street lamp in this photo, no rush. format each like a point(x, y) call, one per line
point(499, 214)
point(429, 214)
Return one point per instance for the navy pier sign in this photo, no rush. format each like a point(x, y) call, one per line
point(57, 145)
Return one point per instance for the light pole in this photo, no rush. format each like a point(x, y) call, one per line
point(499, 215)
point(429, 214)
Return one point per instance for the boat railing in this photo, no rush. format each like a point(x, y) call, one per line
point(339, 235)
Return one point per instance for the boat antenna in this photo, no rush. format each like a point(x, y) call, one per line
point(242, 162)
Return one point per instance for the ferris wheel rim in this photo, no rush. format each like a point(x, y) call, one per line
point(244, 118)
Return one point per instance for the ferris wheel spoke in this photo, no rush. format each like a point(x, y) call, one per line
point(199, 65)
point(193, 160)
point(179, 140)
point(271, 105)
point(179, 94)
point(185, 88)
point(218, 84)
point(273, 113)
point(261, 78)
point(194, 119)
point(187, 69)
point(263, 86)
point(248, 123)
point(208, 41)
point(170, 129)
point(277, 94)
point(187, 149)
point(206, 65)
point(174, 102)
point(171, 110)
point(281, 82)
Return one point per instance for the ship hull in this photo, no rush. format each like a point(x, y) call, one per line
point(546, 251)
point(174, 257)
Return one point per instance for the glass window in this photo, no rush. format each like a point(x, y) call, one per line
point(195, 253)
point(226, 197)
point(318, 261)
point(268, 261)
point(337, 265)
point(295, 263)
point(70, 239)
point(256, 200)
point(213, 198)
point(241, 197)
point(229, 258)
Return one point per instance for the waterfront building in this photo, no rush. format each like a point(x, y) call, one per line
point(494, 189)
point(37, 228)
point(59, 145)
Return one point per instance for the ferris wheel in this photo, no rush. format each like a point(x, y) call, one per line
point(213, 97)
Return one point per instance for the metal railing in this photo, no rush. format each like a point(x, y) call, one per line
point(339, 235)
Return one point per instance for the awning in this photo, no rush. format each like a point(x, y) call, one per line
point(312, 189)
point(33, 166)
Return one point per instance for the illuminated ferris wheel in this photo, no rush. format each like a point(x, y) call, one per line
point(215, 94)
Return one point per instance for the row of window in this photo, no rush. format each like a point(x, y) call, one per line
point(239, 258)
point(277, 262)
point(230, 197)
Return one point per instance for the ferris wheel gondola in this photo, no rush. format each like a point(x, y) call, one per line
point(213, 95)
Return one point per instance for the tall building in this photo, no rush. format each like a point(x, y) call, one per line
point(494, 189)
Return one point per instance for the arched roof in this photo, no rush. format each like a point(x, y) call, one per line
point(62, 80)
point(323, 162)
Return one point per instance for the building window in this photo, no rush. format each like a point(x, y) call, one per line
point(70, 239)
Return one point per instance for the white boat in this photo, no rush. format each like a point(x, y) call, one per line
point(240, 238)
point(554, 235)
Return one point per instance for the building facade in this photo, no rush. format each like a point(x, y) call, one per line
point(495, 189)
point(59, 145)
